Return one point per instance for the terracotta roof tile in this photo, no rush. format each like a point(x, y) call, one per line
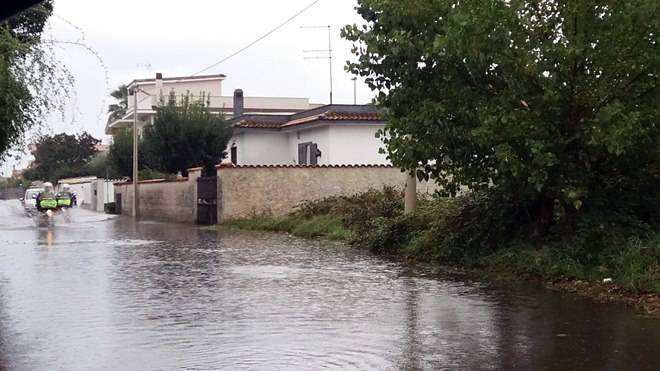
point(259, 124)
point(232, 166)
point(331, 113)
point(352, 116)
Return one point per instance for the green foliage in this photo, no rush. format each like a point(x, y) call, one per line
point(149, 174)
point(27, 25)
point(32, 81)
point(186, 134)
point(100, 167)
point(326, 226)
point(552, 103)
point(62, 156)
point(16, 34)
point(120, 157)
point(118, 110)
point(11, 183)
point(14, 99)
point(357, 208)
point(635, 265)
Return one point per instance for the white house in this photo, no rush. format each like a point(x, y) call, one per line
point(151, 90)
point(327, 135)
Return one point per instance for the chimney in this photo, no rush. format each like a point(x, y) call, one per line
point(159, 83)
point(158, 91)
point(238, 102)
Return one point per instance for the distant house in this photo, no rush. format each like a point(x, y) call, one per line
point(151, 90)
point(327, 135)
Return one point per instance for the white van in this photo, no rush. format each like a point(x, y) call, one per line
point(30, 199)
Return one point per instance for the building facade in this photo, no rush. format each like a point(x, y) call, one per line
point(326, 135)
point(151, 91)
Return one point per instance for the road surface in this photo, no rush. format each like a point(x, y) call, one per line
point(104, 293)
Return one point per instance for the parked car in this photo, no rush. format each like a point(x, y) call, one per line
point(30, 199)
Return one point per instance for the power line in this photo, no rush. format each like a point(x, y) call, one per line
point(259, 39)
point(148, 96)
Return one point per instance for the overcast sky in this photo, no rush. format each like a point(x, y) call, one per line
point(137, 38)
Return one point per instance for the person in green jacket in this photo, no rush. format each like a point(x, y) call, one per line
point(66, 198)
point(46, 200)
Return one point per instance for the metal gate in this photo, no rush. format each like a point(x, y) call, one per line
point(118, 203)
point(207, 200)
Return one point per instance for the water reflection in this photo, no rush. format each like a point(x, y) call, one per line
point(411, 352)
point(119, 295)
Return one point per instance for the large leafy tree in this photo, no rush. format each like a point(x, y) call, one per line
point(62, 155)
point(548, 101)
point(32, 81)
point(186, 134)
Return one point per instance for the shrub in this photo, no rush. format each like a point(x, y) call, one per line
point(150, 174)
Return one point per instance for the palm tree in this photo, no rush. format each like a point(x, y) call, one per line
point(118, 110)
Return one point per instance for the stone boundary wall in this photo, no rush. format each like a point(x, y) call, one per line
point(164, 200)
point(11, 193)
point(244, 191)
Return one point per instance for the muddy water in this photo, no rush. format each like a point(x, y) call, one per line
point(104, 293)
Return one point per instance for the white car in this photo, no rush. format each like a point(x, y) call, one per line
point(30, 199)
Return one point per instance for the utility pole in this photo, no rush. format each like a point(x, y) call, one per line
point(330, 59)
point(410, 200)
point(329, 51)
point(136, 174)
point(354, 90)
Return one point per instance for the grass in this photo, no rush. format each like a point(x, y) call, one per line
point(323, 226)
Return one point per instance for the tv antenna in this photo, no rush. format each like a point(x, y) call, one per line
point(146, 65)
point(312, 53)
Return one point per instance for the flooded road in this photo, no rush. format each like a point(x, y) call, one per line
point(103, 293)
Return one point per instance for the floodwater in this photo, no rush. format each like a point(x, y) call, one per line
point(103, 293)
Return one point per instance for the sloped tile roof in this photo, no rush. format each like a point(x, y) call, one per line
point(232, 166)
point(326, 113)
point(352, 116)
point(255, 124)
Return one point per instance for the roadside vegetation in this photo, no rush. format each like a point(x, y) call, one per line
point(33, 81)
point(64, 156)
point(545, 112)
point(480, 231)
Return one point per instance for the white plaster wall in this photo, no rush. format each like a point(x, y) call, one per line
point(237, 140)
point(83, 193)
point(339, 145)
point(82, 187)
point(318, 135)
point(262, 148)
point(356, 144)
point(105, 193)
point(264, 103)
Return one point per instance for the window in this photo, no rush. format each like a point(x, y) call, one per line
point(308, 153)
point(234, 155)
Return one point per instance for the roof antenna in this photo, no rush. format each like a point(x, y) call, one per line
point(329, 51)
